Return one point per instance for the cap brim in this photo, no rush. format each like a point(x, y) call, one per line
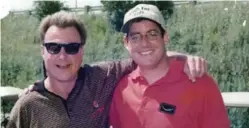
point(124, 28)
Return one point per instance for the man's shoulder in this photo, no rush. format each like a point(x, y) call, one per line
point(104, 65)
point(206, 81)
point(30, 98)
point(99, 69)
point(202, 90)
point(175, 72)
point(206, 86)
point(109, 67)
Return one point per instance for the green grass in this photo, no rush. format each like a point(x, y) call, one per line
point(207, 31)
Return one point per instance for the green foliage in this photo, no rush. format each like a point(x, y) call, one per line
point(216, 32)
point(44, 8)
point(116, 10)
point(102, 41)
point(20, 59)
point(206, 30)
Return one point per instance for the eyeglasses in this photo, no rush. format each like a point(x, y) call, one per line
point(55, 48)
point(150, 36)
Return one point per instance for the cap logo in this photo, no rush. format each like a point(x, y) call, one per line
point(138, 12)
point(147, 9)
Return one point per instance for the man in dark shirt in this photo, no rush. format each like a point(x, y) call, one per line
point(70, 96)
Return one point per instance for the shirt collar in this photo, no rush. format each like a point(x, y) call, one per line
point(136, 74)
point(174, 73)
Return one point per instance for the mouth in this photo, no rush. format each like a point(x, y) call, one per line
point(63, 66)
point(146, 52)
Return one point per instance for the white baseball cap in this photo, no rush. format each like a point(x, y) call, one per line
point(147, 11)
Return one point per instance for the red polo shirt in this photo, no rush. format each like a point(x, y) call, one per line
point(171, 102)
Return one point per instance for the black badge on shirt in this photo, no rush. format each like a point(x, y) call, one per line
point(167, 108)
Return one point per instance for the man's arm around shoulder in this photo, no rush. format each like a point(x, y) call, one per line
point(116, 68)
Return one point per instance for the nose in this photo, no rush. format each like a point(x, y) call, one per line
point(145, 42)
point(62, 54)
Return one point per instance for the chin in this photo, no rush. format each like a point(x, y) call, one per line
point(145, 64)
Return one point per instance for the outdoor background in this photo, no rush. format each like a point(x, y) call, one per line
point(218, 31)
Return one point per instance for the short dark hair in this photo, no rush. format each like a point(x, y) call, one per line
point(128, 25)
point(63, 19)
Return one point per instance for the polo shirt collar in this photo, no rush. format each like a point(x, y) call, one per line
point(175, 72)
point(136, 74)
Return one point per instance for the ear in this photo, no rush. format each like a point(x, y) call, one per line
point(125, 41)
point(166, 37)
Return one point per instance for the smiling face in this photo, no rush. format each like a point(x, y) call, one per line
point(145, 43)
point(62, 66)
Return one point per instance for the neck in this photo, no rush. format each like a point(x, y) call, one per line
point(152, 74)
point(61, 88)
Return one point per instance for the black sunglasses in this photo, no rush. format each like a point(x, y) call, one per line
point(55, 48)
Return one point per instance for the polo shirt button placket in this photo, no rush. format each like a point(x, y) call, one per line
point(70, 110)
point(144, 101)
point(70, 113)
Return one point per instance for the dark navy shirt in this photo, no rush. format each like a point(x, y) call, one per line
point(87, 105)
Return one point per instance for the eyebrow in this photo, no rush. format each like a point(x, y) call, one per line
point(151, 30)
point(133, 33)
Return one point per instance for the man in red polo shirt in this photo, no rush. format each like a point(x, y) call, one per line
point(158, 94)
